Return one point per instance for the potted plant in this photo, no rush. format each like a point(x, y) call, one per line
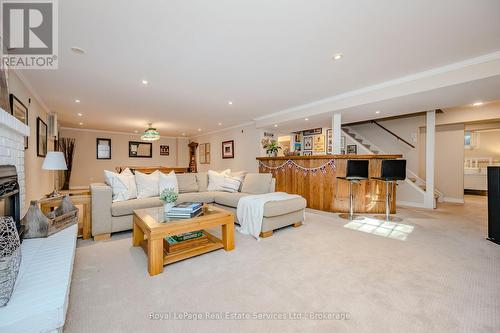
point(271, 146)
point(168, 196)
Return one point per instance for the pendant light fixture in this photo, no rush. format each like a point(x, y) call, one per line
point(150, 134)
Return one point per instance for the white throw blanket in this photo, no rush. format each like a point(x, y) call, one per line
point(250, 211)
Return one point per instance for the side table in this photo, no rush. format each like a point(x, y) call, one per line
point(81, 199)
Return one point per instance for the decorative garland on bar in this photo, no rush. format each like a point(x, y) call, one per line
point(292, 164)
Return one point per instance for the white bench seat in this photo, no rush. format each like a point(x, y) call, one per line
point(40, 298)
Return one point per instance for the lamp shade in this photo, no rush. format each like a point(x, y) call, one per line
point(54, 161)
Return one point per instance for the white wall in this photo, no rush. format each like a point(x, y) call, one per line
point(449, 149)
point(407, 128)
point(38, 182)
point(88, 169)
point(247, 147)
point(488, 145)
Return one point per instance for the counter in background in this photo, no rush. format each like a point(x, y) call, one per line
point(322, 189)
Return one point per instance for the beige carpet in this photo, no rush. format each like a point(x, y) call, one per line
point(445, 277)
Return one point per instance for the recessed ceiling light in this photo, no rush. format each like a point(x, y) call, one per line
point(377, 112)
point(136, 131)
point(183, 134)
point(81, 124)
point(478, 104)
point(199, 129)
point(80, 114)
point(230, 103)
point(306, 119)
point(77, 50)
point(77, 101)
point(220, 124)
point(144, 82)
point(337, 56)
point(275, 125)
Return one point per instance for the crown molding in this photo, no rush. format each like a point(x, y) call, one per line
point(116, 132)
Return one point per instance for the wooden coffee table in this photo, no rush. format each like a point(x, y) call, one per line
point(151, 226)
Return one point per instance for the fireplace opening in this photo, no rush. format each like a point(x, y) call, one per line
point(9, 196)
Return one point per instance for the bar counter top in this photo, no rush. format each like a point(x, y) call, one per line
point(316, 179)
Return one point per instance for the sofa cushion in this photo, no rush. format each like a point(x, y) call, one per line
point(206, 197)
point(147, 185)
point(202, 180)
point(168, 181)
point(256, 183)
point(187, 182)
point(228, 199)
point(123, 185)
point(122, 208)
point(216, 179)
point(276, 208)
point(231, 184)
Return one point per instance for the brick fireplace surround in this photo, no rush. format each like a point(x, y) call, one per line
point(12, 133)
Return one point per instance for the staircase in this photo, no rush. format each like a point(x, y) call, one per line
point(413, 181)
point(360, 140)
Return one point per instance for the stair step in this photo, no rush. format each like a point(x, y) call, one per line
point(367, 146)
point(412, 179)
point(375, 152)
point(423, 187)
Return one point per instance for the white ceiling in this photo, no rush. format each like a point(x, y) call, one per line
point(265, 56)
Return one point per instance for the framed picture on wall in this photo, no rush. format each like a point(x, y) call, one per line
point(352, 149)
point(164, 150)
point(329, 145)
point(204, 152)
point(103, 149)
point(228, 149)
point(140, 149)
point(20, 111)
point(308, 143)
point(313, 131)
point(319, 144)
point(41, 137)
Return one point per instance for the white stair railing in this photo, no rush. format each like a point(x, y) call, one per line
point(415, 182)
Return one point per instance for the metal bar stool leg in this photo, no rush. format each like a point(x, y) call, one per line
point(387, 217)
point(350, 216)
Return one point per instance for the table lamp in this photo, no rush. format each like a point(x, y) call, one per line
point(54, 161)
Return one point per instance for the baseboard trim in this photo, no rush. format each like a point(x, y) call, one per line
point(410, 204)
point(453, 200)
point(82, 187)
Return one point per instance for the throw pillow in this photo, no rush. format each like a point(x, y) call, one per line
point(168, 181)
point(187, 182)
point(147, 185)
point(122, 184)
point(231, 184)
point(256, 183)
point(10, 258)
point(216, 179)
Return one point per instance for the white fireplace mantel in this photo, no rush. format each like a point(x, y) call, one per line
point(12, 133)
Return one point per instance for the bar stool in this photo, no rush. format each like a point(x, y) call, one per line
point(357, 171)
point(392, 171)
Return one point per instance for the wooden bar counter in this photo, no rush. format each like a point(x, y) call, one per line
point(322, 189)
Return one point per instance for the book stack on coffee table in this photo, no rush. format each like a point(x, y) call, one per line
point(185, 210)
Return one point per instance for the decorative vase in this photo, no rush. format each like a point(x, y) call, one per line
point(168, 206)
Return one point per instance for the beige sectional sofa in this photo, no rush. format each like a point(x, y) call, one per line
point(109, 217)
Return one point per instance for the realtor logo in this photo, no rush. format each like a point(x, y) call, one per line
point(29, 34)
